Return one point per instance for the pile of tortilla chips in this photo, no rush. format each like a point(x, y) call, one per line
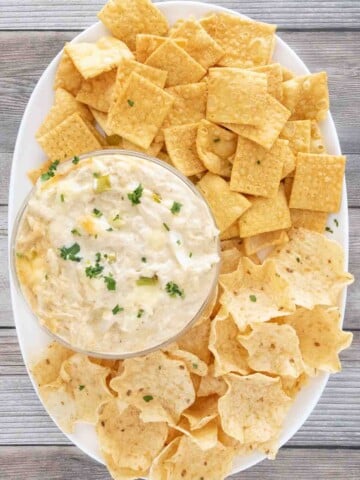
point(206, 97)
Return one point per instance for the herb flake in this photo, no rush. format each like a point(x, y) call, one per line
point(148, 398)
point(176, 207)
point(51, 172)
point(252, 298)
point(110, 282)
point(117, 309)
point(69, 253)
point(136, 194)
point(97, 213)
point(174, 290)
point(130, 102)
point(75, 160)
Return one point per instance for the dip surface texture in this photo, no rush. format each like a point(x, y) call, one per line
point(116, 254)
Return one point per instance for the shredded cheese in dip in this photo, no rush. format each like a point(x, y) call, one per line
point(116, 254)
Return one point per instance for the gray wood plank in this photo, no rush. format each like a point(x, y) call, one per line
point(304, 15)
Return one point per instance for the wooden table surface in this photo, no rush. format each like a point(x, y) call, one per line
point(326, 35)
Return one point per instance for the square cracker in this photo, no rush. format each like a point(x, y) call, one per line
point(318, 182)
point(92, 59)
point(227, 206)
point(309, 219)
point(67, 75)
point(97, 92)
point(274, 116)
point(126, 18)
point(257, 171)
point(139, 111)
point(146, 44)
point(189, 104)
point(316, 142)
point(64, 106)
point(246, 43)
point(298, 133)
point(265, 215)
point(180, 143)
point(274, 78)
point(180, 66)
point(200, 45)
point(73, 136)
point(307, 97)
point(236, 95)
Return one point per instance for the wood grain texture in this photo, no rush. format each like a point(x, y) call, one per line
point(78, 14)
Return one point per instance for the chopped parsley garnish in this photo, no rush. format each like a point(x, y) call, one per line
point(117, 309)
point(76, 232)
point(252, 298)
point(62, 198)
point(75, 160)
point(216, 140)
point(190, 254)
point(147, 281)
point(51, 172)
point(110, 229)
point(173, 289)
point(148, 398)
point(97, 213)
point(70, 253)
point(117, 217)
point(135, 196)
point(94, 271)
point(166, 226)
point(110, 283)
point(96, 174)
point(176, 207)
point(140, 313)
point(328, 229)
point(97, 257)
point(336, 222)
point(131, 102)
point(195, 365)
point(143, 259)
point(178, 242)
point(81, 387)
point(156, 197)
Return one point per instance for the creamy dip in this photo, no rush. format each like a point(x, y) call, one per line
point(116, 254)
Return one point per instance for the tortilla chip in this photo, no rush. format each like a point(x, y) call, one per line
point(265, 215)
point(321, 337)
point(131, 443)
point(229, 355)
point(318, 182)
point(160, 387)
point(189, 104)
point(236, 96)
point(230, 232)
point(71, 137)
point(67, 76)
point(97, 91)
point(101, 119)
point(233, 243)
point(92, 59)
point(274, 78)
point(196, 341)
point(147, 44)
point(199, 44)
point(273, 119)
point(298, 133)
point(257, 171)
point(316, 142)
point(255, 293)
point(308, 219)
point(47, 367)
point(180, 143)
point(202, 412)
point(215, 145)
point(211, 385)
point(292, 386)
point(126, 18)
point(307, 97)
point(64, 106)
point(118, 473)
point(159, 470)
point(258, 242)
point(192, 362)
point(227, 206)
point(313, 266)
point(57, 398)
point(139, 111)
point(229, 260)
point(287, 73)
point(254, 407)
point(246, 43)
point(192, 462)
point(273, 349)
point(205, 437)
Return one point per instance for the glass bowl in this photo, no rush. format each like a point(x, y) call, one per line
point(206, 306)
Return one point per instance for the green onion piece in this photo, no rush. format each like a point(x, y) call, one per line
point(147, 281)
point(110, 283)
point(174, 290)
point(252, 298)
point(135, 195)
point(148, 398)
point(70, 253)
point(103, 184)
point(75, 160)
point(117, 309)
point(176, 207)
point(97, 213)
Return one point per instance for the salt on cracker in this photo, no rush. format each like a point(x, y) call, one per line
point(255, 293)
point(313, 266)
point(180, 143)
point(181, 67)
point(199, 44)
point(227, 206)
point(146, 44)
point(318, 182)
point(139, 111)
point(246, 43)
point(126, 18)
point(71, 137)
point(307, 97)
point(257, 171)
point(189, 104)
point(215, 145)
point(67, 75)
point(298, 134)
point(97, 92)
point(236, 96)
point(272, 117)
point(274, 78)
point(265, 215)
point(258, 242)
